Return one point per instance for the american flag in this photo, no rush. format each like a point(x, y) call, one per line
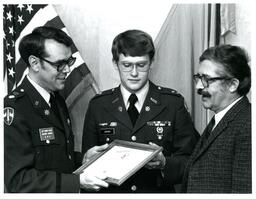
point(20, 20)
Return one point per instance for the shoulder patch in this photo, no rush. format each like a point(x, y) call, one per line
point(168, 91)
point(104, 93)
point(8, 115)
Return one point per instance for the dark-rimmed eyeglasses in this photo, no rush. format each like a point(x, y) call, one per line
point(206, 81)
point(60, 65)
point(140, 66)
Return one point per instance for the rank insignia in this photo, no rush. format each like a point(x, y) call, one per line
point(115, 100)
point(8, 115)
point(153, 100)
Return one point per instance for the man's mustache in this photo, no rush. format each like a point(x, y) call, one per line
point(203, 93)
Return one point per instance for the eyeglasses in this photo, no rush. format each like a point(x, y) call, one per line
point(60, 65)
point(208, 80)
point(128, 66)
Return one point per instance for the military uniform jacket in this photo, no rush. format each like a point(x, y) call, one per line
point(163, 120)
point(223, 163)
point(38, 147)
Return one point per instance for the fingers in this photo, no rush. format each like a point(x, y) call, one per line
point(91, 182)
point(99, 181)
point(93, 151)
point(153, 165)
point(101, 148)
point(153, 144)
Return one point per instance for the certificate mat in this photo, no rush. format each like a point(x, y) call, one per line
point(120, 160)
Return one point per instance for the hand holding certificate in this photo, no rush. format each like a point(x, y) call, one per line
point(120, 160)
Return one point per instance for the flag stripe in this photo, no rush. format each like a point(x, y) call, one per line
point(55, 22)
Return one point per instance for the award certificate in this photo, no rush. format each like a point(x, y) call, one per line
point(120, 160)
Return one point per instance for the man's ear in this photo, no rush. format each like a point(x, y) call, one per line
point(234, 85)
point(115, 64)
point(34, 63)
point(151, 63)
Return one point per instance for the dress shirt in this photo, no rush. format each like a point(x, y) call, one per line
point(218, 116)
point(141, 95)
point(41, 90)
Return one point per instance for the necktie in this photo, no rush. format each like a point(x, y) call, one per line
point(132, 111)
point(208, 129)
point(54, 106)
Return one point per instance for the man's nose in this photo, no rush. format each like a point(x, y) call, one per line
point(134, 71)
point(66, 69)
point(199, 84)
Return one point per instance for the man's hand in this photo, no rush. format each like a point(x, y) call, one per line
point(158, 162)
point(91, 182)
point(94, 151)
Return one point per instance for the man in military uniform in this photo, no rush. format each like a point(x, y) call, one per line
point(139, 111)
point(38, 141)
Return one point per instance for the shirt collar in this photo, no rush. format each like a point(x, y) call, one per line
point(40, 89)
point(141, 94)
point(218, 116)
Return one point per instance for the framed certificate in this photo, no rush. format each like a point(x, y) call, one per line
point(120, 160)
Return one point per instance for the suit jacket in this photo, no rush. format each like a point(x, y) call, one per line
point(223, 163)
point(163, 120)
point(38, 147)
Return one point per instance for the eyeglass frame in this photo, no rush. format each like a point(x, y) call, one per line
point(56, 64)
point(137, 65)
point(206, 81)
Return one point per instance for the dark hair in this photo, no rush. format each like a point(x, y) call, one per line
point(33, 43)
point(133, 43)
point(234, 60)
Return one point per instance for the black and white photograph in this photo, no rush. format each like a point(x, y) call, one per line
point(80, 77)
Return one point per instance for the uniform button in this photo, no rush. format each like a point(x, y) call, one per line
point(134, 138)
point(69, 156)
point(133, 187)
point(107, 139)
point(68, 141)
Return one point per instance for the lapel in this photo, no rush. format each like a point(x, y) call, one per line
point(40, 105)
point(63, 114)
point(222, 125)
point(151, 108)
point(116, 108)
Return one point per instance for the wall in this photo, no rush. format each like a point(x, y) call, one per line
point(243, 35)
point(94, 24)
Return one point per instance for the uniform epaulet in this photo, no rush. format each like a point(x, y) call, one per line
point(104, 93)
point(15, 94)
point(168, 91)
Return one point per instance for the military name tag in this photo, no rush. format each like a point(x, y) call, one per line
point(107, 131)
point(46, 134)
